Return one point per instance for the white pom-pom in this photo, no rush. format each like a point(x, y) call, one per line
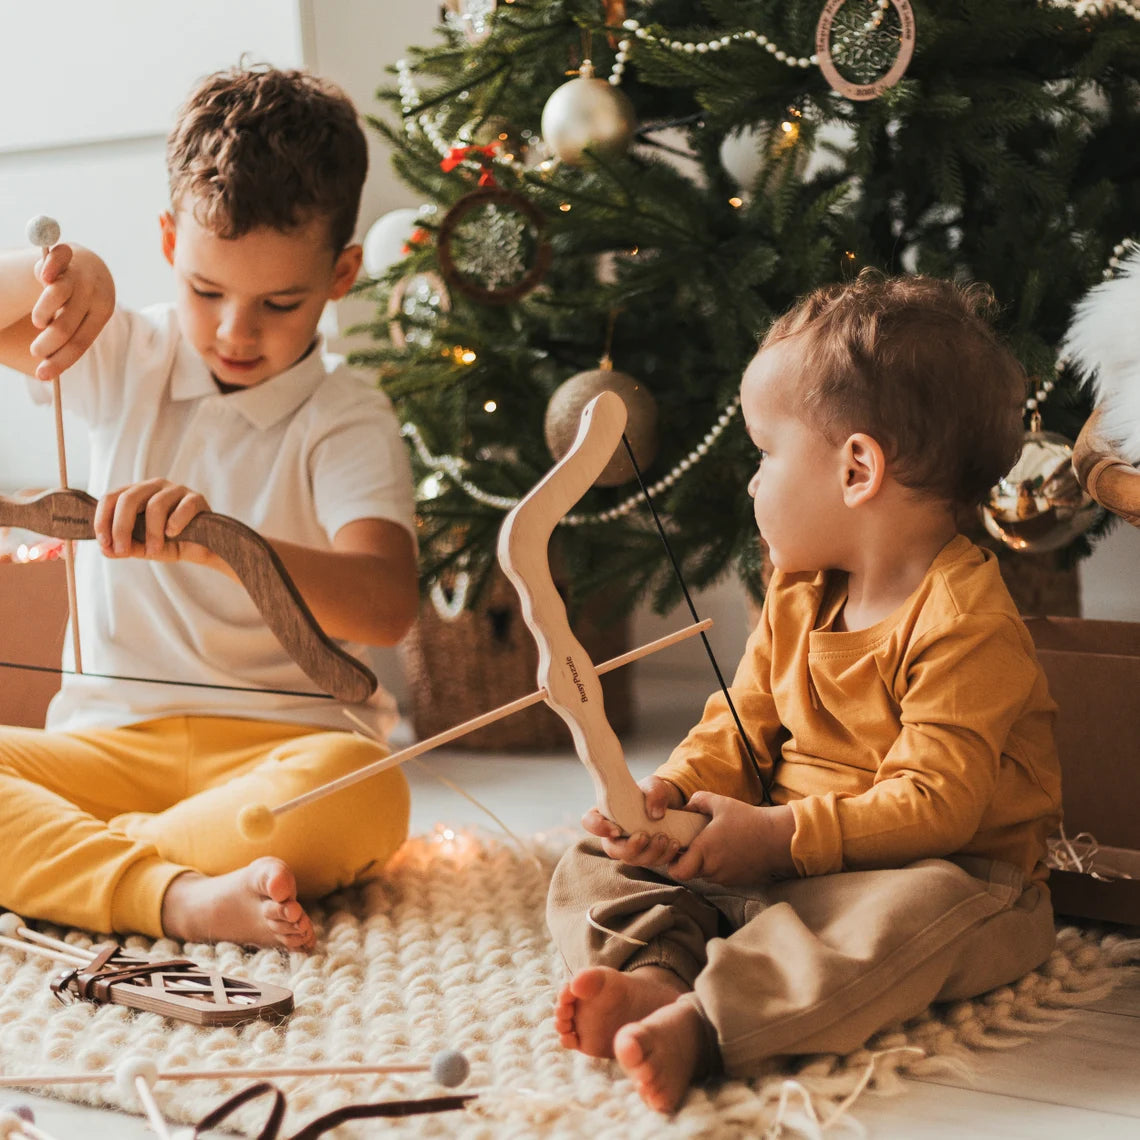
point(128, 1071)
point(11, 1124)
point(1103, 345)
point(10, 924)
point(449, 1068)
point(43, 231)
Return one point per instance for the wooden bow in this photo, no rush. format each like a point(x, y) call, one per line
point(565, 672)
point(70, 515)
point(1109, 479)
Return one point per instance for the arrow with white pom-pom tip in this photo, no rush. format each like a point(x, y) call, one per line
point(18, 1122)
point(43, 231)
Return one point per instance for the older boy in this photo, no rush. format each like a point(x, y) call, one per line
point(122, 814)
point(901, 720)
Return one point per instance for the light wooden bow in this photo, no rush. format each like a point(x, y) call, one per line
point(1108, 478)
point(565, 671)
point(70, 515)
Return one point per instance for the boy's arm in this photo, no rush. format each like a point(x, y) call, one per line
point(48, 321)
point(966, 686)
point(366, 589)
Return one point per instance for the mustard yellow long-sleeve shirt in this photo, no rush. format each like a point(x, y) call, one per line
point(927, 734)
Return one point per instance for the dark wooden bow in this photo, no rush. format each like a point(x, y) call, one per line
point(70, 514)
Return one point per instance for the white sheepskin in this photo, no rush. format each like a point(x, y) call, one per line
point(1103, 345)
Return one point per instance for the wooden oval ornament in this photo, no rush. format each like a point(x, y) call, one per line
point(873, 88)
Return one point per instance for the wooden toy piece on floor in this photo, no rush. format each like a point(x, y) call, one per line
point(177, 988)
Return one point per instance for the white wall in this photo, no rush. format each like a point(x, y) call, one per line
point(87, 147)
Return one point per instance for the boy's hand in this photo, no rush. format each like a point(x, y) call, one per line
point(641, 850)
point(168, 508)
point(741, 846)
point(77, 301)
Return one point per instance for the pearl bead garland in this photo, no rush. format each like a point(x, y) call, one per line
point(1083, 8)
point(1039, 397)
point(749, 35)
point(452, 467)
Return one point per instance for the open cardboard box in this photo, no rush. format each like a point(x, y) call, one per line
point(1094, 675)
point(33, 616)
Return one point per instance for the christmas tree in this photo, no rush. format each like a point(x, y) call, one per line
point(623, 194)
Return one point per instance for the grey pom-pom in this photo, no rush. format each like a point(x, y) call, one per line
point(449, 1068)
point(43, 231)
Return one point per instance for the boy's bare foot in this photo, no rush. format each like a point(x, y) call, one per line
point(661, 1053)
point(255, 905)
point(598, 1001)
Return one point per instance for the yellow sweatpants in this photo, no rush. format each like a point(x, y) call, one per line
point(94, 826)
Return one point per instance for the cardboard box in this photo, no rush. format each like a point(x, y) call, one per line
point(33, 619)
point(1094, 675)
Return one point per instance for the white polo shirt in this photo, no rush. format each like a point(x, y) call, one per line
point(295, 457)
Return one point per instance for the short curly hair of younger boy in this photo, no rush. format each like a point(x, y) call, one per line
point(260, 147)
point(915, 363)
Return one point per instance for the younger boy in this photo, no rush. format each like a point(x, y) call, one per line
point(890, 691)
point(122, 815)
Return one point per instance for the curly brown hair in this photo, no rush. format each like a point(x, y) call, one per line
point(257, 146)
point(915, 363)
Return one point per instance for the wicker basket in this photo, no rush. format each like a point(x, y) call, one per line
point(485, 657)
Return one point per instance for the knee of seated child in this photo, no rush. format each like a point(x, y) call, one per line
point(351, 834)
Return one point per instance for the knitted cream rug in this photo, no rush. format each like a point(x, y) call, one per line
point(450, 950)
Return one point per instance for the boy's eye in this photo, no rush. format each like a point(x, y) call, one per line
point(205, 293)
point(276, 307)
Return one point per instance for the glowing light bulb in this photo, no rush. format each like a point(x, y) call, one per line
point(490, 406)
point(736, 203)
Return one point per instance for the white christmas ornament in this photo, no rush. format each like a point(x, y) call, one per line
point(587, 112)
point(1103, 344)
point(742, 155)
point(386, 238)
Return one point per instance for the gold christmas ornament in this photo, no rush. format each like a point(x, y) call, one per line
point(565, 410)
point(1039, 506)
point(586, 113)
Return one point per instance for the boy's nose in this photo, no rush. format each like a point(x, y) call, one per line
point(237, 326)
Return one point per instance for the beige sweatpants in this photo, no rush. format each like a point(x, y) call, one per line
point(807, 965)
point(94, 826)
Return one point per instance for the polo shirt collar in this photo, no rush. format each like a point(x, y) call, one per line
point(264, 404)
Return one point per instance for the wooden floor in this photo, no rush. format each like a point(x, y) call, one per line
point(1077, 1081)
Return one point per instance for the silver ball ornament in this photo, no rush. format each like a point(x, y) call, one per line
point(564, 411)
point(587, 113)
point(743, 153)
point(43, 231)
point(1039, 505)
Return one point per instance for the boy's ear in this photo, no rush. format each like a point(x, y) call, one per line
point(864, 468)
point(346, 270)
point(166, 222)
